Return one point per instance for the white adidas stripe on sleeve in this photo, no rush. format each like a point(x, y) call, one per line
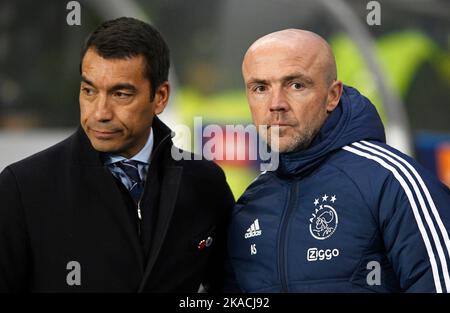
point(413, 204)
point(423, 207)
point(425, 190)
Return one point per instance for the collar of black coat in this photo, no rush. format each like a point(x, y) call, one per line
point(84, 154)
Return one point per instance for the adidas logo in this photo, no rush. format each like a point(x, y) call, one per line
point(254, 230)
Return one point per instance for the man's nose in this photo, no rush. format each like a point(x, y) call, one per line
point(103, 112)
point(278, 101)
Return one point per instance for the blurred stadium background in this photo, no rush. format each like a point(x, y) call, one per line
point(402, 65)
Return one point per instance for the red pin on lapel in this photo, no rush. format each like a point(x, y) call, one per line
point(205, 243)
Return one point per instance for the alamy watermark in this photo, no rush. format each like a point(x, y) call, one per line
point(74, 15)
point(73, 277)
point(374, 16)
point(373, 278)
point(227, 143)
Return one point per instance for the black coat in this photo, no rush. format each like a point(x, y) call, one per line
point(63, 205)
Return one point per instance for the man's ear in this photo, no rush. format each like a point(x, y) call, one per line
point(334, 95)
point(161, 97)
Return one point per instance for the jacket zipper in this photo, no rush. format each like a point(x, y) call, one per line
point(293, 195)
point(139, 214)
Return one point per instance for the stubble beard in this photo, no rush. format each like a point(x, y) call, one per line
point(299, 141)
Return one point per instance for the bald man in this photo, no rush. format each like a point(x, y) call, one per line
point(343, 211)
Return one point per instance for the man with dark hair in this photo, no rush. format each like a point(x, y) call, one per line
point(343, 211)
point(126, 37)
point(108, 209)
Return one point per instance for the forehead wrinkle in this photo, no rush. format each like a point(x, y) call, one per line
point(106, 73)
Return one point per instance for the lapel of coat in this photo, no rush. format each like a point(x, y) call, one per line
point(169, 190)
point(98, 190)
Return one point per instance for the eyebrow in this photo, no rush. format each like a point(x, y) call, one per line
point(87, 81)
point(123, 86)
point(119, 86)
point(253, 81)
point(304, 78)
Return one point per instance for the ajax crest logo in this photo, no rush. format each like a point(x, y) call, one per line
point(324, 220)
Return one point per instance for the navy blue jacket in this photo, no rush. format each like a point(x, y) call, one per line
point(348, 214)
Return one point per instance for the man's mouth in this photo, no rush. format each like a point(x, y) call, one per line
point(104, 134)
point(279, 125)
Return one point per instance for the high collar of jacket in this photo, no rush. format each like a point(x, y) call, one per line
point(83, 153)
point(354, 119)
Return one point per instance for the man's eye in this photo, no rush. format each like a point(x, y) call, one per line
point(87, 91)
point(259, 89)
point(297, 86)
point(121, 94)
